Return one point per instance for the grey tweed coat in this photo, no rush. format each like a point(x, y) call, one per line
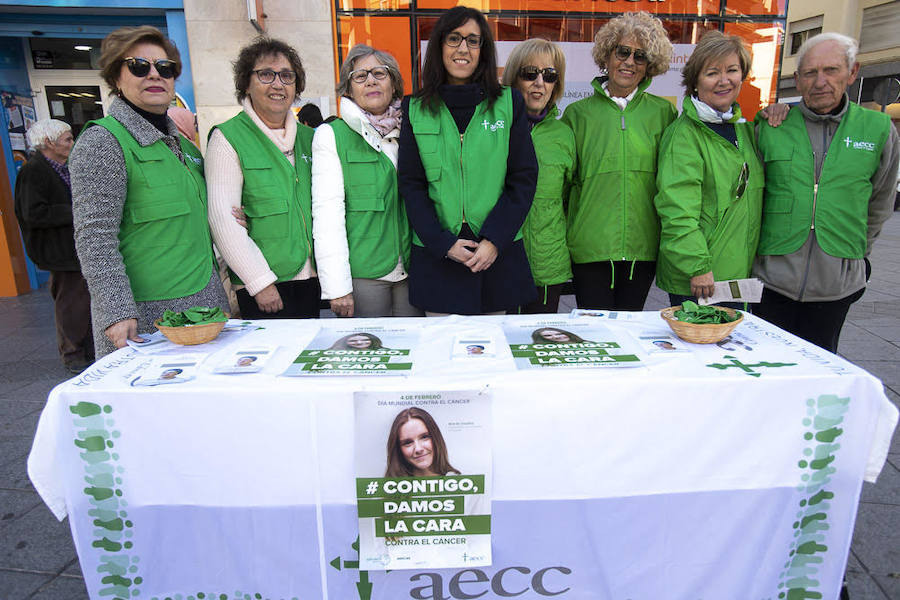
point(99, 187)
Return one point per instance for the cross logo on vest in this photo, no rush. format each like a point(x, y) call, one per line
point(859, 145)
point(306, 158)
point(500, 124)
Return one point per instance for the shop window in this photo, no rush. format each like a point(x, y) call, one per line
point(764, 40)
point(391, 34)
point(64, 53)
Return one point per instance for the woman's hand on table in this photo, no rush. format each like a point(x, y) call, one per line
point(702, 286)
point(238, 213)
point(462, 251)
point(119, 333)
point(343, 306)
point(484, 256)
point(268, 299)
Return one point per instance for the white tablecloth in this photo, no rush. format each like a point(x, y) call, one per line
point(677, 479)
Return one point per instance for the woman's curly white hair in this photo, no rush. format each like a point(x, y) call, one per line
point(647, 29)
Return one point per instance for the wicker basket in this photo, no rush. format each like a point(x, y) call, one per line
point(191, 335)
point(700, 333)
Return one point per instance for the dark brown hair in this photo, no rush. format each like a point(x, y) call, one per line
point(434, 74)
point(258, 48)
point(397, 465)
point(117, 45)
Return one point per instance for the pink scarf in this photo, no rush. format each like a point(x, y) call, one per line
point(388, 121)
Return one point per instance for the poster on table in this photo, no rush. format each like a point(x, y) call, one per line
point(423, 479)
point(349, 350)
point(552, 343)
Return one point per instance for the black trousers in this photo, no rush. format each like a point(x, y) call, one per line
point(817, 322)
point(613, 285)
point(72, 306)
point(300, 299)
point(547, 301)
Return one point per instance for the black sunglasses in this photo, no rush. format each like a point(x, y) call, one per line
point(640, 56)
point(140, 67)
point(530, 73)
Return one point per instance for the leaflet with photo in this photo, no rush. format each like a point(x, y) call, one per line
point(473, 345)
point(170, 370)
point(245, 360)
point(612, 315)
point(546, 343)
point(423, 479)
point(661, 342)
point(349, 350)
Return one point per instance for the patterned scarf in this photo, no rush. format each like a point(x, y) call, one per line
point(386, 122)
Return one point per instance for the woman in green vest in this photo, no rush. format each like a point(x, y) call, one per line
point(139, 198)
point(260, 161)
point(467, 173)
point(537, 68)
point(360, 228)
point(710, 179)
point(612, 228)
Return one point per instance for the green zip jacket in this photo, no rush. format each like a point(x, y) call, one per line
point(276, 196)
point(544, 231)
point(610, 214)
point(705, 225)
point(164, 237)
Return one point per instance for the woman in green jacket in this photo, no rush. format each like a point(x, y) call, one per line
point(710, 179)
point(537, 68)
point(612, 229)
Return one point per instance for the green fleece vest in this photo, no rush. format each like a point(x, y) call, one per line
point(377, 228)
point(276, 197)
point(164, 236)
point(838, 207)
point(466, 172)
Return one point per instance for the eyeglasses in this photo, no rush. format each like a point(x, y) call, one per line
point(640, 56)
point(530, 73)
point(743, 178)
point(267, 76)
point(454, 40)
point(140, 67)
point(362, 75)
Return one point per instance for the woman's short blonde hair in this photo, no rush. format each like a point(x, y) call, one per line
point(647, 29)
point(714, 45)
point(116, 46)
point(525, 52)
point(361, 51)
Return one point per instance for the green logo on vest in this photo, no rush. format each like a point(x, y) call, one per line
point(856, 145)
point(746, 368)
point(499, 124)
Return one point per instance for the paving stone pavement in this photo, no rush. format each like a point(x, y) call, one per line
point(38, 560)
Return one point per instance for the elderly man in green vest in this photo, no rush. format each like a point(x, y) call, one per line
point(830, 171)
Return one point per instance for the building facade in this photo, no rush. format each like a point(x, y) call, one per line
point(49, 51)
point(875, 23)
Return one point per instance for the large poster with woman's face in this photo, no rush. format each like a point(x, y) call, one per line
point(423, 479)
point(546, 343)
point(354, 350)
